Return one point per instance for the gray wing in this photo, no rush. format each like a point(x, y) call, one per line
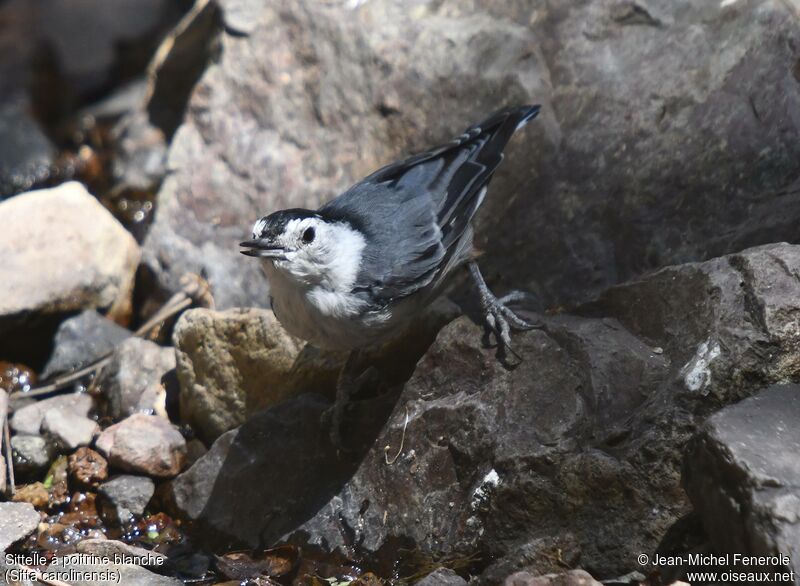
point(415, 212)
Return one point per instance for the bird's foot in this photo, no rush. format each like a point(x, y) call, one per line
point(499, 318)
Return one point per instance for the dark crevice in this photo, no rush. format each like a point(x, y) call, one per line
point(754, 306)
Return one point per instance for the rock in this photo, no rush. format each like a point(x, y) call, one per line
point(81, 340)
point(141, 162)
point(87, 468)
point(743, 475)
point(108, 31)
point(26, 154)
point(17, 521)
point(32, 455)
point(230, 365)
point(126, 496)
point(67, 430)
point(442, 577)
point(111, 548)
point(519, 465)
point(28, 419)
point(34, 493)
point(251, 454)
point(90, 265)
point(144, 443)
point(128, 574)
point(726, 323)
point(571, 578)
point(322, 115)
point(136, 377)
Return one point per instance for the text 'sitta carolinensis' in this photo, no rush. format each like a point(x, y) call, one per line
point(354, 272)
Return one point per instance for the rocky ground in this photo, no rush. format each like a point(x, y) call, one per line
point(154, 408)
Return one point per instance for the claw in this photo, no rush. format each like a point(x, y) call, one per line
point(499, 318)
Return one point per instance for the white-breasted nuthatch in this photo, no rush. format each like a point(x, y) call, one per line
point(354, 272)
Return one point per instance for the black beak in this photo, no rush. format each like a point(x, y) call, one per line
point(262, 248)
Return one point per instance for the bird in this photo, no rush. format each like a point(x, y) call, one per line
point(356, 272)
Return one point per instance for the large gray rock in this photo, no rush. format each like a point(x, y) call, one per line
point(743, 476)
point(64, 252)
point(231, 364)
point(136, 378)
point(17, 521)
point(81, 340)
point(728, 322)
point(692, 156)
point(524, 465)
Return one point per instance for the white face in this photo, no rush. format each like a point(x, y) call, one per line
point(315, 252)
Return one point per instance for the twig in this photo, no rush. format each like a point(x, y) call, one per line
point(9, 458)
point(390, 461)
point(193, 289)
point(3, 418)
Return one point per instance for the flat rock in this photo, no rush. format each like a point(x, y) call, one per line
point(90, 265)
point(111, 547)
point(142, 443)
point(135, 379)
point(442, 577)
point(743, 476)
point(711, 110)
point(128, 574)
point(17, 521)
point(230, 365)
point(126, 496)
point(571, 578)
point(81, 340)
point(28, 419)
point(68, 430)
point(32, 455)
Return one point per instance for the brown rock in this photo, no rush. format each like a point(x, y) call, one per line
point(34, 493)
point(144, 443)
point(231, 364)
point(87, 468)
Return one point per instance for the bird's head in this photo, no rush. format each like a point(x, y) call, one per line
point(307, 247)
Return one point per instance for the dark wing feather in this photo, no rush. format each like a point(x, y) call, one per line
point(416, 211)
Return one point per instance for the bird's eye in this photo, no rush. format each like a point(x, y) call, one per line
point(308, 235)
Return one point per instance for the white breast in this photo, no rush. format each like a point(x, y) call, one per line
point(327, 319)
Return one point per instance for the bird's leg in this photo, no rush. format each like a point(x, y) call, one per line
point(347, 386)
point(499, 318)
